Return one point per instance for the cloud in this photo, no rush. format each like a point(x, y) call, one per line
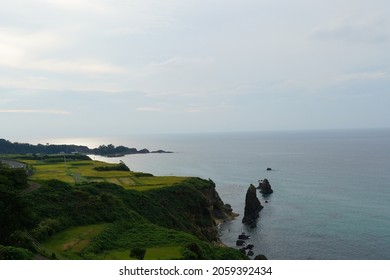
point(78, 66)
point(364, 76)
point(27, 50)
point(150, 109)
point(193, 110)
point(173, 64)
point(5, 100)
point(86, 6)
point(34, 111)
point(363, 29)
point(16, 59)
point(21, 42)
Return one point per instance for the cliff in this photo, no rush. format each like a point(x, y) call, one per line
point(194, 206)
point(219, 210)
point(182, 216)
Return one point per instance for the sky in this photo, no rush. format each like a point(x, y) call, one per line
point(80, 68)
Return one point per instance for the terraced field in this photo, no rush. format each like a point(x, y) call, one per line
point(84, 171)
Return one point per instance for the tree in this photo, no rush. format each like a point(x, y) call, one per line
point(138, 253)
point(14, 253)
point(13, 207)
point(192, 251)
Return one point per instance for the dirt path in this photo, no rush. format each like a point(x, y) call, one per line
point(32, 187)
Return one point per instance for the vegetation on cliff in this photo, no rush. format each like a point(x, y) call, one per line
point(90, 214)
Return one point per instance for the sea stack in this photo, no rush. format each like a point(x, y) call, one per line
point(252, 207)
point(265, 187)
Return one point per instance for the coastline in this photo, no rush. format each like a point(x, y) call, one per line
point(229, 214)
point(320, 177)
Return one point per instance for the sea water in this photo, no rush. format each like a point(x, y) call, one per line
point(331, 195)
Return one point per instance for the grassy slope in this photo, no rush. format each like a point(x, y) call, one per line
point(79, 242)
point(69, 243)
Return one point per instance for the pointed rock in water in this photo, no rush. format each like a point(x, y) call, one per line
point(252, 207)
point(260, 257)
point(265, 187)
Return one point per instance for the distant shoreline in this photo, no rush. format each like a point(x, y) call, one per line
point(7, 147)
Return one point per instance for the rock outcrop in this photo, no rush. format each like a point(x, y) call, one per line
point(220, 211)
point(265, 187)
point(214, 212)
point(260, 257)
point(252, 207)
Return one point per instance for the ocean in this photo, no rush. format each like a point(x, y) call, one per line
point(331, 197)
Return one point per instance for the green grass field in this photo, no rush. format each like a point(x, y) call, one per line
point(83, 171)
point(69, 243)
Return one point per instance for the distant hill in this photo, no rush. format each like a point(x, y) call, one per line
point(7, 147)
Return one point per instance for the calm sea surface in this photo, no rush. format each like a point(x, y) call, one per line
point(331, 195)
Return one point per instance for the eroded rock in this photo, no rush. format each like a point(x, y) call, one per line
point(265, 187)
point(252, 207)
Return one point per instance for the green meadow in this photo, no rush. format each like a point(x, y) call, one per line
point(93, 242)
point(69, 243)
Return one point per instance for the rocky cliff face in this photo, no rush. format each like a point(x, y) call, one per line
point(219, 212)
point(252, 207)
point(193, 206)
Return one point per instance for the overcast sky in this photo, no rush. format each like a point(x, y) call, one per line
point(108, 67)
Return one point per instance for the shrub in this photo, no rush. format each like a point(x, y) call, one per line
point(119, 167)
point(14, 253)
point(138, 253)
